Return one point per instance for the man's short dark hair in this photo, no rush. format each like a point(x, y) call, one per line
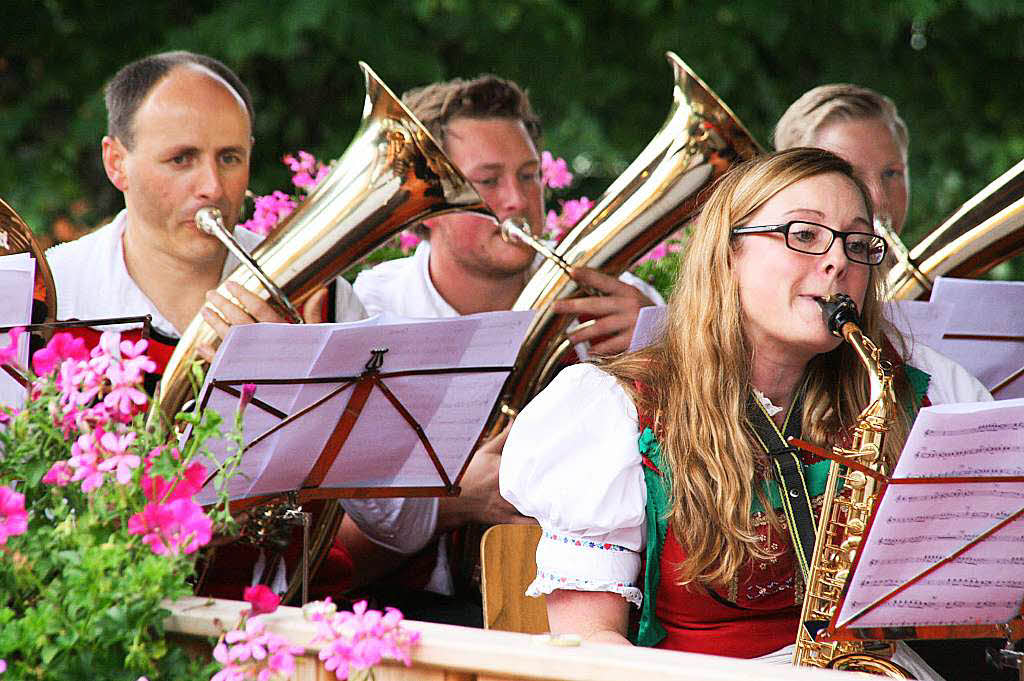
point(485, 96)
point(129, 86)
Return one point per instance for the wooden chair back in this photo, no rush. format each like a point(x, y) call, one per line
point(508, 559)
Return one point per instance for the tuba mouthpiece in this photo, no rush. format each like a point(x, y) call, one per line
point(210, 221)
point(837, 310)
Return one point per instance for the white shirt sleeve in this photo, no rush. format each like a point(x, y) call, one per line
point(401, 525)
point(949, 382)
point(347, 307)
point(571, 461)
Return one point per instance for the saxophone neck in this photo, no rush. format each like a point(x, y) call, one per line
point(840, 315)
point(880, 374)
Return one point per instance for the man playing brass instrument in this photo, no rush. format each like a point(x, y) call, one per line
point(179, 138)
point(490, 132)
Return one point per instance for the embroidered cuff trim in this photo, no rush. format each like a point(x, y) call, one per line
point(545, 583)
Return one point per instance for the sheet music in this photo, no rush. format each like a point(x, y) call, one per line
point(916, 525)
point(989, 315)
point(650, 324)
point(17, 279)
point(382, 450)
point(920, 321)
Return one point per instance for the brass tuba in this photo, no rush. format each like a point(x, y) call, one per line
point(982, 233)
point(392, 174)
point(846, 508)
point(659, 191)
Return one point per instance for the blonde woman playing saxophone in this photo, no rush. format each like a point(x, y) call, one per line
point(667, 450)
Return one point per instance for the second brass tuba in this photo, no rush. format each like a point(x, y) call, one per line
point(659, 192)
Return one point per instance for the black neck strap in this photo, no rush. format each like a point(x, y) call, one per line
point(789, 472)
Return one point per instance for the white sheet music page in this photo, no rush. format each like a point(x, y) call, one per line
point(382, 449)
point(985, 333)
point(919, 320)
point(17, 278)
point(917, 525)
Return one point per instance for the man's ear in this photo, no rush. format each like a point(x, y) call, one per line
point(114, 158)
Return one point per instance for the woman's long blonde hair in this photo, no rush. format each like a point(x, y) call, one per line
point(696, 380)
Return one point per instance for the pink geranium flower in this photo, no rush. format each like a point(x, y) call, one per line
point(268, 211)
point(85, 461)
point(118, 458)
point(361, 638)
point(307, 171)
point(61, 347)
point(13, 517)
point(254, 653)
point(156, 488)
point(9, 354)
point(262, 599)
point(572, 210)
point(58, 475)
point(176, 527)
point(124, 398)
point(554, 171)
point(408, 240)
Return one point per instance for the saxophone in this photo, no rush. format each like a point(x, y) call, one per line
point(846, 509)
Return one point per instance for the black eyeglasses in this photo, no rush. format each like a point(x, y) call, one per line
point(814, 239)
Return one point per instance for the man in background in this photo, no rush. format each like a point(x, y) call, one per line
point(488, 129)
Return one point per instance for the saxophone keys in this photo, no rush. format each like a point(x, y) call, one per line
point(850, 546)
point(856, 479)
point(855, 526)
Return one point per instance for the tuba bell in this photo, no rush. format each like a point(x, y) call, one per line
point(984, 232)
point(661, 190)
point(392, 174)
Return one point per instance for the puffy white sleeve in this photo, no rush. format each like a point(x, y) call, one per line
point(949, 382)
point(571, 461)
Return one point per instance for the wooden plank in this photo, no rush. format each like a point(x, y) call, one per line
point(450, 653)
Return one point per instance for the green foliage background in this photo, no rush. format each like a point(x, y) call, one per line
point(595, 70)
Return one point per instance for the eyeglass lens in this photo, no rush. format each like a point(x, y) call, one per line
point(816, 239)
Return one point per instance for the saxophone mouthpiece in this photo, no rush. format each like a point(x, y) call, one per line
point(837, 310)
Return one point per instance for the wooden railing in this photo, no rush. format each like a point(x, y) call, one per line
point(450, 653)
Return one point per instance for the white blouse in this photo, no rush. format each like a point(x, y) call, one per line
point(572, 462)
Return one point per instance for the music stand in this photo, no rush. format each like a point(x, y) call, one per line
point(953, 503)
point(978, 324)
point(145, 320)
point(401, 418)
